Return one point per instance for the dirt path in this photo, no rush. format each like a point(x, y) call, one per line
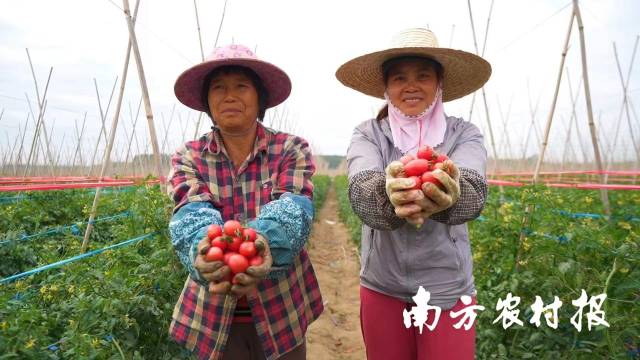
point(336, 334)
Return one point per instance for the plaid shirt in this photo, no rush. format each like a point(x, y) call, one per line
point(281, 308)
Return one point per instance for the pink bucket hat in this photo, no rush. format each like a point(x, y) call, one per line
point(188, 86)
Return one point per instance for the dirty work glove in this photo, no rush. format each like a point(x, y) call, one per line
point(438, 199)
point(402, 195)
point(248, 281)
point(218, 274)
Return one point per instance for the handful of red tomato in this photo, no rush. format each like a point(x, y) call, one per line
point(420, 167)
point(233, 245)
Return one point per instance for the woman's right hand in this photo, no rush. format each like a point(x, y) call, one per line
point(403, 197)
point(212, 271)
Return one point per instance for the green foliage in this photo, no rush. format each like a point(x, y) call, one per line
point(321, 185)
point(118, 302)
point(348, 217)
point(560, 256)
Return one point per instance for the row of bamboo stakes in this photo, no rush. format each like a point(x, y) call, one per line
point(132, 46)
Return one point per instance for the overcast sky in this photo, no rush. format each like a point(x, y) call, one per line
point(86, 39)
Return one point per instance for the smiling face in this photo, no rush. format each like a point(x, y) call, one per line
point(233, 101)
point(411, 84)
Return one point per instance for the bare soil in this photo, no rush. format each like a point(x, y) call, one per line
point(335, 258)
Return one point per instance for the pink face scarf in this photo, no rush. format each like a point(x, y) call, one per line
point(411, 132)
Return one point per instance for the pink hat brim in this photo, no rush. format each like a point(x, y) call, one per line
point(188, 86)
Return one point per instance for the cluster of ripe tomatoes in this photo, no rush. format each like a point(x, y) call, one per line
point(421, 166)
point(233, 245)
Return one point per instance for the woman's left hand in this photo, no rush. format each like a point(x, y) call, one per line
point(437, 199)
point(248, 281)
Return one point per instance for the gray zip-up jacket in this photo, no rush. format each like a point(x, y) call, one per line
point(396, 257)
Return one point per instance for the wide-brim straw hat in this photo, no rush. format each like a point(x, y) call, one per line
point(464, 72)
point(188, 86)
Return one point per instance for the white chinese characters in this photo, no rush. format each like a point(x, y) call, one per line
point(423, 312)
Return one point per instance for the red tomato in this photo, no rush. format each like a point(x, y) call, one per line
point(214, 231)
point(255, 261)
point(416, 167)
point(426, 152)
point(234, 245)
point(249, 234)
point(219, 243)
point(227, 255)
point(441, 158)
point(429, 178)
point(405, 159)
point(214, 254)
point(247, 249)
point(238, 263)
point(234, 280)
point(418, 181)
point(232, 228)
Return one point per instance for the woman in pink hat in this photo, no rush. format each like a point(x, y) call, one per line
point(244, 171)
point(416, 277)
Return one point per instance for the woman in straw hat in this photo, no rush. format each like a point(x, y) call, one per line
point(413, 238)
point(242, 171)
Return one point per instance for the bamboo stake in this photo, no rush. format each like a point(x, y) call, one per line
point(567, 145)
point(13, 149)
point(5, 157)
point(574, 100)
point(484, 97)
point(114, 126)
point(532, 112)
point(133, 129)
point(547, 130)
point(12, 160)
point(19, 156)
point(195, 6)
point(59, 154)
point(40, 119)
point(453, 29)
point(624, 85)
point(587, 93)
point(625, 97)
point(215, 44)
point(484, 46)
point(505, 143)
point(637, 121)
point(543, 147)
point(103, 119)
point(145, 92)
point(166, 126)
point(44, 128)
point(78, 152)
point(605, 142)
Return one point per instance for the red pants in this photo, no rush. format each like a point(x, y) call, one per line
point(386, 337)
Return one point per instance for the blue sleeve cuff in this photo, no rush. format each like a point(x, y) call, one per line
point(187, 227)
point(304, 202)
point(285, 223)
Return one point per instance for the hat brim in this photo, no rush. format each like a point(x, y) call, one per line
point(464, 72)
point(188, 86)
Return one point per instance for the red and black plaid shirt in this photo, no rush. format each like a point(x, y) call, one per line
point(281, 309)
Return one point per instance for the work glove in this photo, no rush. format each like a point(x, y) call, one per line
point(219, 275)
